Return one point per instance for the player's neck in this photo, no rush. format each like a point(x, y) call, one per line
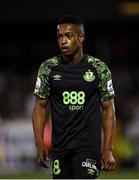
point(74, 59)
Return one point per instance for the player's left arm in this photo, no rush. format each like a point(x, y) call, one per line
point(109, 126)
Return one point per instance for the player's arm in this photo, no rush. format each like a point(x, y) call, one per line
point(109, 126)
point(38, 121)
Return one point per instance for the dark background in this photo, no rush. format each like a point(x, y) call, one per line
point(28, 37)
point(28, 31)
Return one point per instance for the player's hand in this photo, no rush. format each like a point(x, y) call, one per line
point(42, 156)
point(108, 162)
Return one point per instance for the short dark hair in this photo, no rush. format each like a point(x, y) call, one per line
point(73, 19)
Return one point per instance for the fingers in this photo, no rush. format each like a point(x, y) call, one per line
point(112, 166)
point(108, 165)
point(102, 164)
point(108, 162)
point(43, 159)
point(44, 164)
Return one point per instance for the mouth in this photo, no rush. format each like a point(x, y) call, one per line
point(64, 49)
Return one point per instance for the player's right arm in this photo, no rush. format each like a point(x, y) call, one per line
point(38, 121)
point(42, 94)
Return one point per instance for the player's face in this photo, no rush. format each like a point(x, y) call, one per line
point(69, 38)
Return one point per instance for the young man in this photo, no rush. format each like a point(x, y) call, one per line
point(79, 88)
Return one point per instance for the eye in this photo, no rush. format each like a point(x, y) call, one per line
point(59, 36)
point(69, 35)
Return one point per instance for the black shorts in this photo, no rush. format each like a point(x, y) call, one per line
point(81, 165)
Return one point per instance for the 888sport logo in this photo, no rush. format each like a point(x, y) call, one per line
point(75, 100)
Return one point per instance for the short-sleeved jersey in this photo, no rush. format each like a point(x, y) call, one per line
point(75, 92)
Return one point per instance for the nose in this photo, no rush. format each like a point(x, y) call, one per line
point(63, 40)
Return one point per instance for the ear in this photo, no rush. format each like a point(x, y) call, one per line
point(81, 38)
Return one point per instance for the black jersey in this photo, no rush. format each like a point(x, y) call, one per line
point(75, 92)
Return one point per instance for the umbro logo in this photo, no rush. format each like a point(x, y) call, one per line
point(91, 171)
point(57, 77)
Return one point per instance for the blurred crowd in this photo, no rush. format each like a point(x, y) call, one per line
point(15, 93)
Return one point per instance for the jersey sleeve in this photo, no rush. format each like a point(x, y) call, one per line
point(42, 87)
point(105, 84)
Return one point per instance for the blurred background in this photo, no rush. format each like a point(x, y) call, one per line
point(28, 37)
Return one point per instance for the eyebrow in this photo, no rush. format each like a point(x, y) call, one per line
point(66, 33)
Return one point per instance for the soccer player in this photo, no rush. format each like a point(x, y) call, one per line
point(80, 90)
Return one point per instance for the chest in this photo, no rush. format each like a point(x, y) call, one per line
point(73, 78)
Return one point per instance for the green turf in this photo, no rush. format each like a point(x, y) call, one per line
point(119, 174)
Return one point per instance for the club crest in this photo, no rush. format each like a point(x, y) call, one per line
point(89, 76)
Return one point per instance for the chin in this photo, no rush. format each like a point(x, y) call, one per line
point(67, 54)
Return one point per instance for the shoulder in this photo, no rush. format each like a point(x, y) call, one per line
point(48, 64)
point(99, 65)
point(54, 61)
